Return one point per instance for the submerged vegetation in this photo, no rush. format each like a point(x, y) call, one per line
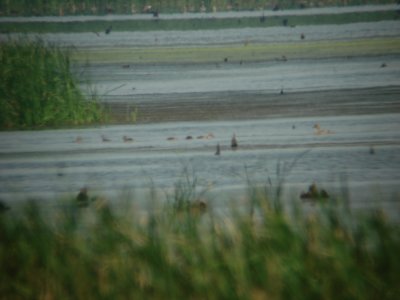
point(97, 252)
point(38, 90)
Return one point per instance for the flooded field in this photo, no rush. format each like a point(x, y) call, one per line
point(185, 110)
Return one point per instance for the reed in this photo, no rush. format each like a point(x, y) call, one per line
point(37, 88)
point(98, 253)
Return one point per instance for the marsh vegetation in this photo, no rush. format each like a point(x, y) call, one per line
point(38, 89)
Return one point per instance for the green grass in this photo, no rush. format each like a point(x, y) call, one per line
point(194, 24)
point(246, 52)
point(181, 253)
point(38, 90)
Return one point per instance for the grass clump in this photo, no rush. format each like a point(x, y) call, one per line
point(37, 88)
point(175, 254)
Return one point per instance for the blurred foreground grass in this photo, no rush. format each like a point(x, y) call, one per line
point(180, 252)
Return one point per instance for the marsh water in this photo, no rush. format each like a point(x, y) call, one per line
point(359, 154)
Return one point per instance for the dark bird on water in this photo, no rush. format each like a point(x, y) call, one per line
point(218, 152)
point(104, 139)
point(108, 29)
point(127, 139)
point(302, 36)
point(371, 150)
point(234, 143)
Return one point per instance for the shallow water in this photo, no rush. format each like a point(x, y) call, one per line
point(222, 36)
point(113, 81)
point(44, 164)
point(49, 164)
point(232, 14)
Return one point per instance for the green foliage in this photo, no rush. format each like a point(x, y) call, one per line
point(97, 253)
point(37, 88)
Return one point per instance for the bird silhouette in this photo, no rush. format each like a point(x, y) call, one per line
point(82, 198)
point(218, 152)
point(104, 139)
point(108, 29)
point(234, 143)
point(127, 139)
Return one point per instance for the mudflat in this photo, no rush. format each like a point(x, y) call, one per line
point(244, 105)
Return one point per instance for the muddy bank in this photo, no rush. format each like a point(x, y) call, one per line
point(246, 105)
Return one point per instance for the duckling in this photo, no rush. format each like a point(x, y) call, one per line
point(320, 131)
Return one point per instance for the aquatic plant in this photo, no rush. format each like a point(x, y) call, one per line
point(37, 88)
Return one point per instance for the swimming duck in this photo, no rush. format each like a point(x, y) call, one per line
point(104, 139)
point(127, 139)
